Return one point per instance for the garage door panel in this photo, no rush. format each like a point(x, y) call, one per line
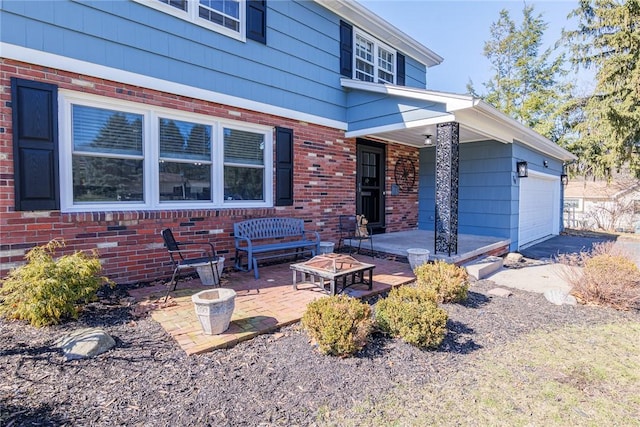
point(539, 208)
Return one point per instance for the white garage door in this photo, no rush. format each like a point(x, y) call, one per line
point(539, 207)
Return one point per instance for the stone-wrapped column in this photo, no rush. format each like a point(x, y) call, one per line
point(447, 178)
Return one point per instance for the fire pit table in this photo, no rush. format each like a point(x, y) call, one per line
point(336, 269)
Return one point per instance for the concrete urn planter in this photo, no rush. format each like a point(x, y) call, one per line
point(214, 309)
point(417, 257)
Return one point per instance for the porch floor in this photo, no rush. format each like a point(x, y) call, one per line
point(270, 302)
point(470, 246)
point(261, 305)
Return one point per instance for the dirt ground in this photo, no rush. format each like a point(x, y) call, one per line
point(272, 380)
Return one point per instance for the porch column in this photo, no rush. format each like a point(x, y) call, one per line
point(447, 176)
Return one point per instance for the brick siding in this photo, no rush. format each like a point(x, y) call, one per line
point(129, 243)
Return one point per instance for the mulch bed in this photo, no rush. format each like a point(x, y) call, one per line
point(274, 379)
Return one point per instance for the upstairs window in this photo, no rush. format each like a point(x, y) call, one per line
point(374, 61)
point(224, 16)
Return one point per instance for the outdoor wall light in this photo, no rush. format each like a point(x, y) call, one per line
point(545, 163)
point(564, 178)
point(523, 169)
point(427, 140)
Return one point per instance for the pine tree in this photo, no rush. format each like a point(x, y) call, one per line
point(527, 82)
point(608, 41)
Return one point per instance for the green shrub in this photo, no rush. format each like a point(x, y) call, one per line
point(609, 277)
point(44, 291)
point(339, 324)
point(449, 282)
point(413, 315)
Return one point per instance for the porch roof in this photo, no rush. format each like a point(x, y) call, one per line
point(405, 115)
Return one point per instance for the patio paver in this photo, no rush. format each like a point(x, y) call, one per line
point(261, 305)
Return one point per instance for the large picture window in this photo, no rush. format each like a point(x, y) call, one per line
point(126, 156)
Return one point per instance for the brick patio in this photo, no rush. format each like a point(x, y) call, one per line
point(261, 305)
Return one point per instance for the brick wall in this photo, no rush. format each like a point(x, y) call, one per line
point(129, 243)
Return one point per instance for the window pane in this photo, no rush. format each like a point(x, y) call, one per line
point(180, 4)
point(184, 140)
point(243, 183)
point(364, 49)
point(185, 181)
point(364, 71)
point(99, 179)
point(385, 66)
point(98, 130)
point(222, 12)
point(243, 147)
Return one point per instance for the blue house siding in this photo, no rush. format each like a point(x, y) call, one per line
point(415, 74)
point(486, 181)
point(369, 110)
point(298, 69)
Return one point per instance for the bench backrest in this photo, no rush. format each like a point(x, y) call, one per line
point(266, 228)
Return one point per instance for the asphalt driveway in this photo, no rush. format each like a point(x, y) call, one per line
point(565, 244)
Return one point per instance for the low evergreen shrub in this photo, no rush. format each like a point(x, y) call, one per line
point(449, 282)
point(412, 315)
point(339, 324)
point(45, 291)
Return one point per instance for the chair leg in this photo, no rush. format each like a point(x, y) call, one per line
point(174, 281)
point(214, 272)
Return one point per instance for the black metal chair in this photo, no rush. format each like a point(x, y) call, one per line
point(351, 230)
point(182, 257)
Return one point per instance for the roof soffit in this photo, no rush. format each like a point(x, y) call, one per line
point(474, 114)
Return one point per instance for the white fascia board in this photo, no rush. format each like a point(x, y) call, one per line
point(363, 18)
point(453, 102)
point(524, 134)
point(31, 56)
point(401, 126)
point(479, 123)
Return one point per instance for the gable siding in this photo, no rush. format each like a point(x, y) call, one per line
point(415, 73)
point(298, 69)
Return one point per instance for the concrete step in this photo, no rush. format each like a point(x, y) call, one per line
point(482, 267)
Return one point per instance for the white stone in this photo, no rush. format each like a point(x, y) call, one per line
point(559, 297)
point(500, 292)
point(513, 257)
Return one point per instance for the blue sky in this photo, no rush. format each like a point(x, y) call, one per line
point(457, 31)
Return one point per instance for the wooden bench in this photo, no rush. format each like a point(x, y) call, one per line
point(260, 238)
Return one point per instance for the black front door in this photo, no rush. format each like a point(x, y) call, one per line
point(370, 181)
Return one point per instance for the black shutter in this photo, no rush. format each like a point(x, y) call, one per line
point(284, 166)
point(35, 145)
point(400, 81)
point(346, 49)
point(257, 20)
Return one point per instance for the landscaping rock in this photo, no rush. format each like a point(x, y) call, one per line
point(500, 292)
point(513, 258)
point(559, 297)
point(85, 343)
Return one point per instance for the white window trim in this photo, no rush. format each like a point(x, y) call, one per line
point(151, 151)
point(376, 44)
point(191, 15)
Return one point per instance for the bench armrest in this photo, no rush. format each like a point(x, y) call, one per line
point(239, 239)
point(315, 234)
